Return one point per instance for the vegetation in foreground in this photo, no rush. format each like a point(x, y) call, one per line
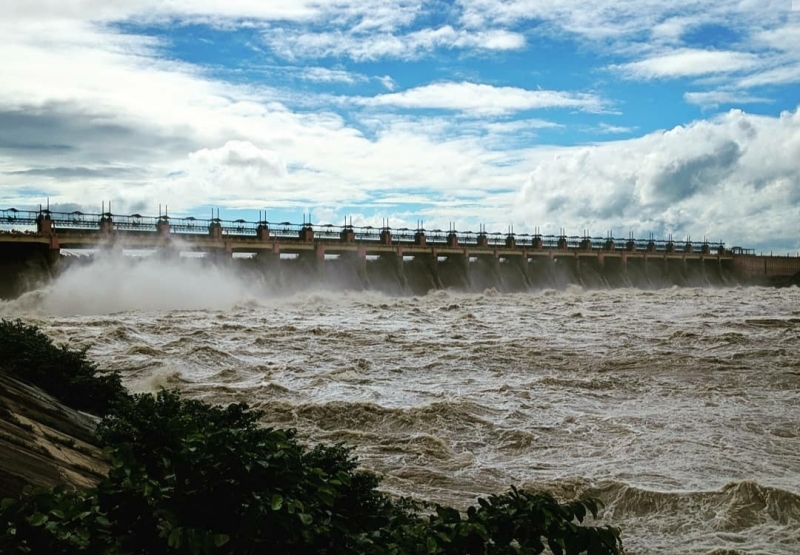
point(189, 477)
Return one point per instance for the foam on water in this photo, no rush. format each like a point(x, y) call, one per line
point(118, 284)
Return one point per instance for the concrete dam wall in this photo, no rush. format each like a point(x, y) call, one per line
point(25, 270)
point(421, 274)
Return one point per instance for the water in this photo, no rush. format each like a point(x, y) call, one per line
point(679, 408)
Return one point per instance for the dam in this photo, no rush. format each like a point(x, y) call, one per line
point(397, 261)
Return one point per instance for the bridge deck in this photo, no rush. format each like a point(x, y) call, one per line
point(91, 231)
point(71, 239)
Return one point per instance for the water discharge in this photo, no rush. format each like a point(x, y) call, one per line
point(678, 407)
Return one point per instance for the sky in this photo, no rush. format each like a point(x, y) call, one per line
point(612, 116)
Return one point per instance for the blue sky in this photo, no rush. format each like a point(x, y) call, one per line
point(641, 116)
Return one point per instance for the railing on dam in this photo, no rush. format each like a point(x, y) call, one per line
point(65, 223)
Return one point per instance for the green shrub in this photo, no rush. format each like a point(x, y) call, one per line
point(54, 521)
point(211, 472)
point(28, 354)
point(192, 478)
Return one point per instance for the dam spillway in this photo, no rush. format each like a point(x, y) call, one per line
point(396, 261)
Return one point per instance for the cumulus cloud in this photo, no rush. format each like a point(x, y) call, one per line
point(733, 177)
point(241, 155)
point(237, 170)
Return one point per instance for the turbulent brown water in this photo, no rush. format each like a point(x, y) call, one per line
point(678, 407)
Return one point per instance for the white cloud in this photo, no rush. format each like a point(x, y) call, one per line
point(689, 62)
point(672, 29)
point(237, 170)
point(608, 129)
point(763, 49)
point(76, 109)
point(116, 10)
point(387, 82)
point(374, 16)
point(782, 59)
point(240, 155)
point(734, 177)
point(789, 73)
point(377, 14)
point(498, 140)
point(481, 99)
point(327, 75)
point(611, 19)
point(519, 125)
point(294, 44)
point(713, 99)
point(786, 38)
point(774, 60)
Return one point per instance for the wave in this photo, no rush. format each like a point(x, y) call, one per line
point(736, 506)
point(441, 417)
point(592, 383)
point(741, 517)
point(210, 357)
point(143, 350)
point(28, 304)
point(519, 387)
point(772, 322)
point(155, 381)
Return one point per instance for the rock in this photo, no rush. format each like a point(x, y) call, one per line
point(45, 443)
